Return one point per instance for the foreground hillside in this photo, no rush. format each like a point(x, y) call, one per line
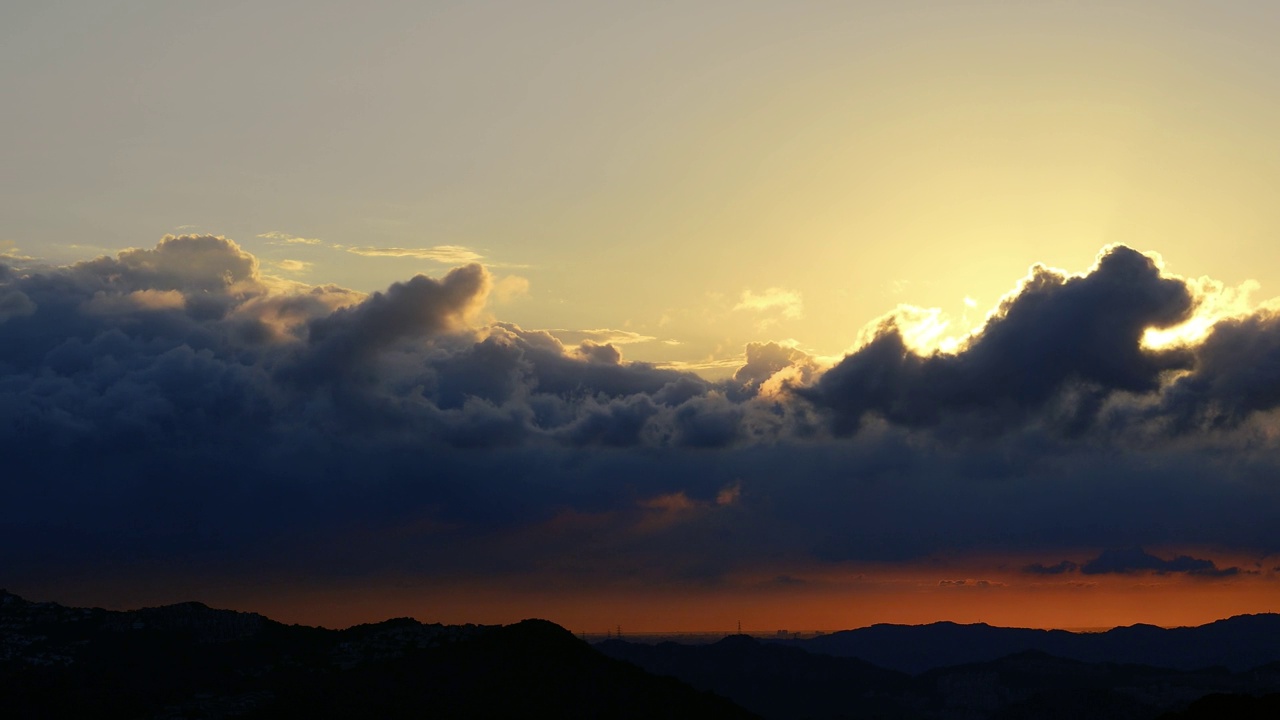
point(191, 661)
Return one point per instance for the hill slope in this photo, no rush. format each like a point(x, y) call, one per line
point(189, 660)
point(786, 682)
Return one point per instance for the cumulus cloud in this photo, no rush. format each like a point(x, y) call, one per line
point(1055, 351)
point(174, 405)
point(200, 263)
point(1234, 377)
point(418, 308)
point(15, 303)
point(109, 303)
point(772, 368)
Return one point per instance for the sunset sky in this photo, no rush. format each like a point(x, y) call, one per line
point(808, 315)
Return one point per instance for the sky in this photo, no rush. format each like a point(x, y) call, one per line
point(808, 315)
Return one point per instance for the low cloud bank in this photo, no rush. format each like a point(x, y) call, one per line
point(175, 405)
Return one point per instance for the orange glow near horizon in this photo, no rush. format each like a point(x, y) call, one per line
point(824, 601)
point(1112, 602)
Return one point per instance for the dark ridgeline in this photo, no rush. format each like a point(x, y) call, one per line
point(1009, 681)
point(190, 661)
point(1238, 643)
point(772, 680)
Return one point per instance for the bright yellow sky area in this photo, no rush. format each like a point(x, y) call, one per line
point(699, 174)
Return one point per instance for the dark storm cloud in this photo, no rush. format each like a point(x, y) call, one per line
point(15, 304)
point(175, 406)
point(1135, 559)
point(340, 343)
point(1059, 568)
point(1236, 374)
point(1057, 350)
point(1131, 560)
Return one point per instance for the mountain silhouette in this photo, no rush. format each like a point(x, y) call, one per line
point(782, 681)
point(189, 661)
point(772, 680)
point(1237, 643)
point(192, 661)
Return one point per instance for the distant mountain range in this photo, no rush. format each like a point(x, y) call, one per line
point(1238, 643)
point(1226, 669)
point(191, 661)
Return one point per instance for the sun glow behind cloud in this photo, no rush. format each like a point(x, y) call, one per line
point(924, 330)
point(488, 458)
point(825, 152)
point(927, 330)
point(682, 186)
point(1215, 302)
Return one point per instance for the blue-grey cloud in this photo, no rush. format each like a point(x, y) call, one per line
point(1054, 353)
point(1058, 568)
point(173, 407)
point(1135, 559)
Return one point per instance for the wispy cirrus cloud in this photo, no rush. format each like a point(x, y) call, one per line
point(710, 366)
point(786, 302)
point(292, 266)
point(509, 288)
point(448, 254)
point(444, 254)
point(601, 336)
point(9, 251)
point(286, 238)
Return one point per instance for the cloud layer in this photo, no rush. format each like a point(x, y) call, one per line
point(175, 405)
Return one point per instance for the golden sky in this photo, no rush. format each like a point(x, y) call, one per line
point(587, 184)
point(646, 168)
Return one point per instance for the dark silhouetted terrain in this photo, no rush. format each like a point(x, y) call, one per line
point(190, 661)
point(773, 680)
point(782, 681)
point(1238, 643)
point(1237, 707)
